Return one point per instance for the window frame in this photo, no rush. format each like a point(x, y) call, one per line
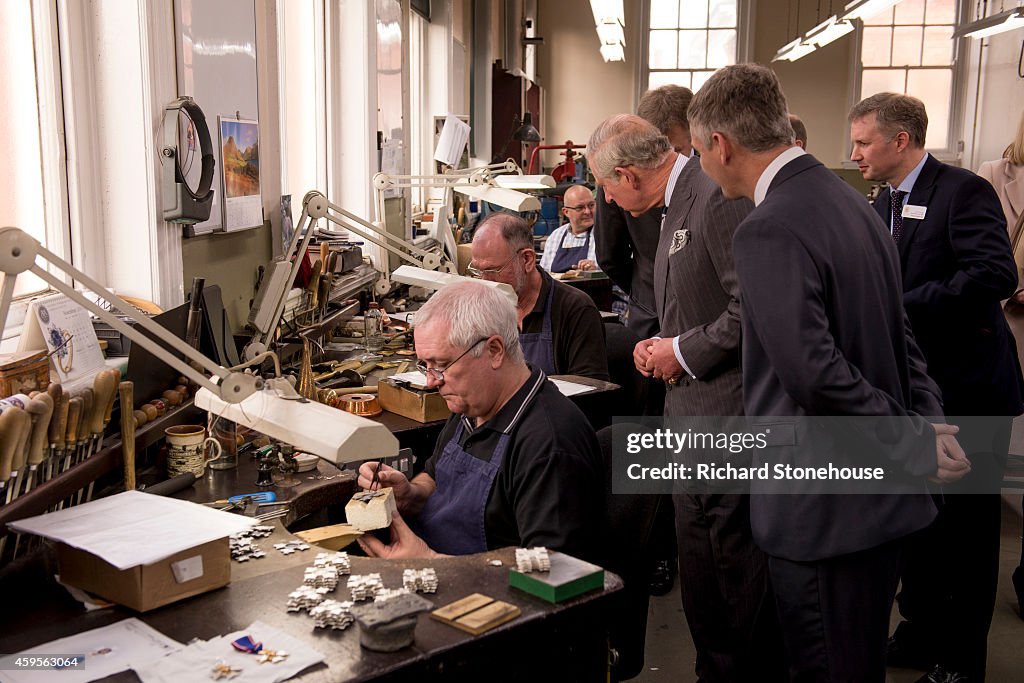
point(953, 150)
point(745, 11)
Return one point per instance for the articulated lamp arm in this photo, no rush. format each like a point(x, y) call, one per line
point(18, 253)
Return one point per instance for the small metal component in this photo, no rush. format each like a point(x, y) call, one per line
point(533, 560)
point(390, 625)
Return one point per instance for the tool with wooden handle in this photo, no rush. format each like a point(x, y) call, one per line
point(20, 455)
point(10, 434)
point(71, 436)
point(41, 410)
point(88, 398)
point(58, 426)
point(126, 392)
point(104, 386)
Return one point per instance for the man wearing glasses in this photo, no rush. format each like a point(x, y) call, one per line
point(517, 463)
point(572, 246)
point(560, 328)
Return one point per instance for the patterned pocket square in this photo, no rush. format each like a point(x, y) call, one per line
point(680, 238)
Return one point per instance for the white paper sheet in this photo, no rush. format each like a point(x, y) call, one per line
point(107, 650)
point(570, 388)
point(415, 378)
point(452, 142)
point(194, 662)
point(134, 528)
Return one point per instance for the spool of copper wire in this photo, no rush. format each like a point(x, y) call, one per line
point(364, 405)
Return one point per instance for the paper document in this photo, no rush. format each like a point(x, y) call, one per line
point(570, 388)
point(107, 650)
point(134, 528)
point(453, 140)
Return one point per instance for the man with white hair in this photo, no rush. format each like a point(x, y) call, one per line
point(517, 463)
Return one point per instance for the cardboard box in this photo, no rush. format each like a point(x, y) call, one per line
point(145, 587)
point(422, 406)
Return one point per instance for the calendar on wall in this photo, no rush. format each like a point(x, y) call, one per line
point(65, 330)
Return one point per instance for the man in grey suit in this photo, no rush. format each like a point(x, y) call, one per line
point(723, 575)
point(824, 334)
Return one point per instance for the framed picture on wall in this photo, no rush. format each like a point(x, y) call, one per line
point(240, 173)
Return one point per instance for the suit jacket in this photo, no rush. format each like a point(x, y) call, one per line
point(697, 294)
point(825, 334)
point(626, 248)
point(1008, 181)
point(957, 267)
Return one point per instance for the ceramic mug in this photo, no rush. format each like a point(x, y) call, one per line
point(186, 449)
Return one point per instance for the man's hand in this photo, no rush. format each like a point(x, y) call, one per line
point(952, 461)
point(405, 545)
point(389, 478)
point(662, 362)
point(641, 352)
point(586, 264)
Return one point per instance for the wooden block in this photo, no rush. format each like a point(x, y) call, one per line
point(369, 513)
point(333, 537)
point(476, 613)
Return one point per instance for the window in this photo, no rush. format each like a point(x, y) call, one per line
point(689, 39)
point(909, 49)
point(28, 102)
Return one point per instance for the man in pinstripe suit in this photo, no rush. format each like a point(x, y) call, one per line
point(723, 575)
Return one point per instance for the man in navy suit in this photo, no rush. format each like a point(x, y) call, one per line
point(823, 334)
point(956, 266)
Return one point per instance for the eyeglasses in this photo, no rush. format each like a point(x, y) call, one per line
point(437, 374)
point(488, 273)
point(590, 206)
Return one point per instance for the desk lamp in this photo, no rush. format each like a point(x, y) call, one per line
point(266, 407)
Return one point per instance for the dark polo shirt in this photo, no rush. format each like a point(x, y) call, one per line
point(550, 488)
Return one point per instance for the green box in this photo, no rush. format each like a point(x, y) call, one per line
point(568, 578)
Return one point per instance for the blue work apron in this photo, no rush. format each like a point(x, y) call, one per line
point(452, 521)
point(539, 347)
point(566, 259)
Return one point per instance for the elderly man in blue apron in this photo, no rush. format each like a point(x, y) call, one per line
point(572, 246)
point(501, 474)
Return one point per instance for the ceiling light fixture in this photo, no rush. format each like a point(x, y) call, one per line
point(990, 26)
point(610, 22)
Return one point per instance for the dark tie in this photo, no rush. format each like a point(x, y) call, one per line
point(897, 214)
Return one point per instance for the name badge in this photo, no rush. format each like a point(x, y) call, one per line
point(914, 211)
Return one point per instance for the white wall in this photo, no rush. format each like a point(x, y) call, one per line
point(1001, 100)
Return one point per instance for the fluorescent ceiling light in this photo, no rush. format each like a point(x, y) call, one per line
point(524, 182)
point(989, 26)
point(793, 51)
point(828, 31)
point(610, 33)
point(607, 10)
point(613, 53)
point(865, 9)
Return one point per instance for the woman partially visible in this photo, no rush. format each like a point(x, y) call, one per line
point(1007, 177)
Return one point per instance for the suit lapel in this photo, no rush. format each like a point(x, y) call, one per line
point(678, 209)
point(921, 195)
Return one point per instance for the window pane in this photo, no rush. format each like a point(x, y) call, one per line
point(663, 50)
point(938, 46)
point(910, 12)
point(881, 80)
point(664, 13)
point(722, 14)
point(693, 13)
point(721, 48)
point(656, 79)
point(934, 88)
point(699, 79)
point(693, 46)
point(21, 177)
point(880, 19)
point(876, 46)
point(941, 12)
point(906, 46)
